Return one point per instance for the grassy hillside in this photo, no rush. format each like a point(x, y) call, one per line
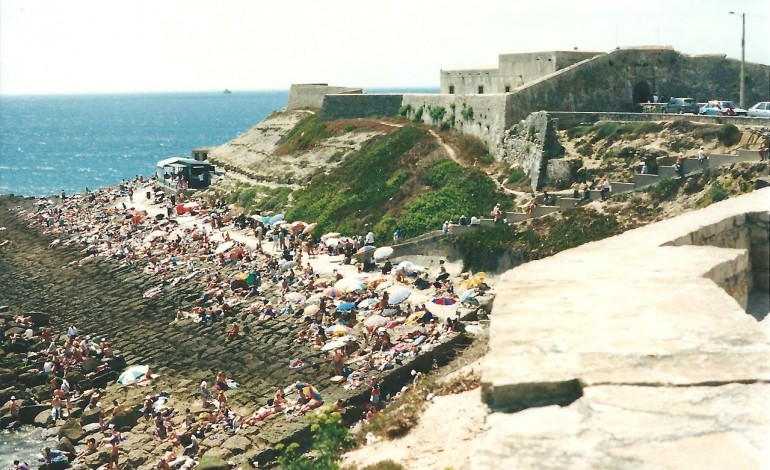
point(395, 180)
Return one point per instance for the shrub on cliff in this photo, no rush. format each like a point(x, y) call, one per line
point(330, 439)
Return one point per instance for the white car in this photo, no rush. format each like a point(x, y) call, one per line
point(761, 109)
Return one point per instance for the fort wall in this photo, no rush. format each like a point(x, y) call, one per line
point(311, 95)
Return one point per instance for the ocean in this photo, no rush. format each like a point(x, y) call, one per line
point(50, 143)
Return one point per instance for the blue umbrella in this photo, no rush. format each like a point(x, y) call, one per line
point(345, 306)
point(265, 220)
point(275, 218)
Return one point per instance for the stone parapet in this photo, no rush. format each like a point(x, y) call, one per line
point(641, 355)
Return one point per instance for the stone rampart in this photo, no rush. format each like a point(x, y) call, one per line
point(354, 106)
point(311, 95)
point(482, 116)
point(621, 78)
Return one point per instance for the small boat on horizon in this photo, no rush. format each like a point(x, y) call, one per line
point(227, 91)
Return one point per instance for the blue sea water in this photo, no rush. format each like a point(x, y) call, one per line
point(49, 143)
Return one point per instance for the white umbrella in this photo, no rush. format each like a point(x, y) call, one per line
point(383, 252)
point(366, 303)
point(399, 296)
point(288, 265)
point(330, 235)
point(224, 247)
point(333, 345)
point(375, 321)
point(349, 284)
point(132, 374)
point(404, 265)
point(467, 295)
point(295, 297)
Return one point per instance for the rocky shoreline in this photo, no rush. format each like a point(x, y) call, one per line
point(104, 298)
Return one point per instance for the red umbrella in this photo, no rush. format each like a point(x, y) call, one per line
point(444, 301)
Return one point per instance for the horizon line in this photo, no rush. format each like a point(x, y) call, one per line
point(219, 91)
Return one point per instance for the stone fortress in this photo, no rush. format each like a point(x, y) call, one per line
point(653, 362)
point(501, 105)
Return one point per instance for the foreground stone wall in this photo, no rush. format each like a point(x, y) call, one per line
point(629, 353)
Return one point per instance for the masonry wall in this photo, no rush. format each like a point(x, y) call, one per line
point(359, 106)
point(311, 95)
point(607, 82)
point(487, 123)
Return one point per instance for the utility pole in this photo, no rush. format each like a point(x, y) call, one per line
point(743, 59)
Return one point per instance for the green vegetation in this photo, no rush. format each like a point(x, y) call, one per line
point(361, 187)
point(418, 115)
point(517, 176)
point(405, 110)
point(251, 198)
point(305, 135)
point(380, 186)
point(437, 114)
point(723, 188)
point(575, 227)
point(330, 439)
point(384, 465)
point(469, 193)
point(467, 113)
point(664, 189)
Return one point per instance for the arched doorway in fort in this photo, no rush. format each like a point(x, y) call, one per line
point(642, 92)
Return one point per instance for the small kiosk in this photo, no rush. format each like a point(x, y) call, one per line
point(183, 174)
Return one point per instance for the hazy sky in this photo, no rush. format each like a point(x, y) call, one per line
point(102, 46)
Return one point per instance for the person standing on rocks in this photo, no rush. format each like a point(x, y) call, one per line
point(13, 408)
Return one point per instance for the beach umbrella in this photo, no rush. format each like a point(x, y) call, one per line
point(389, 311)
point(336, 344)
point(444, 301)
point(332, 242)
point(333, 292)
point(405, 265)
point(312, 309)
point(294, 297)
point(330, 235)
point(309, 228)
point(288, 265)
point(468, 294)
point(365, 250)
point(346, 306)
point(153, 235)
point(241, 276)
point(375, 321)
point(349, 284)
point(399, 296)
point(224, 247)
point(383, 252)
point(338, 330)
point(191, 205)
point(132, 374)
point(477, 280)
point(366, 303)
point(275, 218)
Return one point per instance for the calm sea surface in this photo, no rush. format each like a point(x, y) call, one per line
point(52, 142)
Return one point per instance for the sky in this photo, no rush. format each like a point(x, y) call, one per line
point(111, 46)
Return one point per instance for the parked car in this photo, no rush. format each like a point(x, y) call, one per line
point(722, 108)
point(761, 109)
point(681, 106)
